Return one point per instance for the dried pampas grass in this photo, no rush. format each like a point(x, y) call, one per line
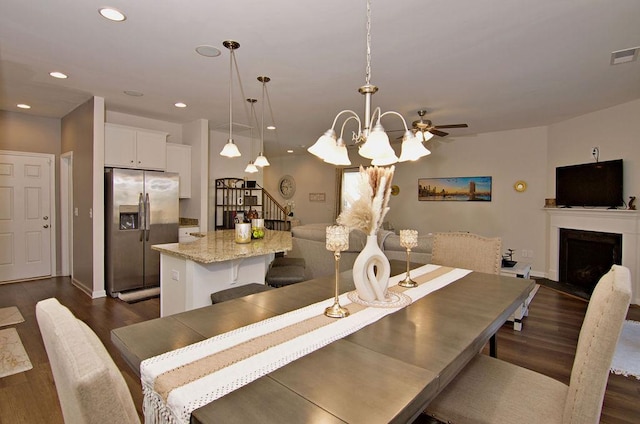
point(367, 212)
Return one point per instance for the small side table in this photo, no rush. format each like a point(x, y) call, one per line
point(520, 270)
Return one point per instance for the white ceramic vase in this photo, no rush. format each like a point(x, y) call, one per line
point(371, 271)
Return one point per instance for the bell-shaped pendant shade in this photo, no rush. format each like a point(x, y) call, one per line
point(413, 149)
point(338, 154)
point(261, 160)
point(377, 145)
point(230, 150)
point(251, 168)
point(325, 144)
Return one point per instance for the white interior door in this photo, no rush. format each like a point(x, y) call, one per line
point(25, 216)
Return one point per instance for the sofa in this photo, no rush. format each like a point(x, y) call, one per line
point(309, 243)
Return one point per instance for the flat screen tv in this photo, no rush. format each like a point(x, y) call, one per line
point(590, 184)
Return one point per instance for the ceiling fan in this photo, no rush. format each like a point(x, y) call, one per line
point(425, 125)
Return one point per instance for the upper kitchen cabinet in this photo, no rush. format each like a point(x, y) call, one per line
point(179, 160)
point(129, 147)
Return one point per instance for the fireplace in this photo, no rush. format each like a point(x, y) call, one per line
point(585, 256)
point(622, 222)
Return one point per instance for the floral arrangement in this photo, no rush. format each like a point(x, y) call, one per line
point(367, 212)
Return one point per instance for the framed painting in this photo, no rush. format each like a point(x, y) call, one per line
point(473, 189)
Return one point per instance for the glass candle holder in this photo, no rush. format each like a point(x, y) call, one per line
point(243, 233)
point(337, 241)
point(408, 240)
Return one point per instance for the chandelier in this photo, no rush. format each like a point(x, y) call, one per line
point(373, 141)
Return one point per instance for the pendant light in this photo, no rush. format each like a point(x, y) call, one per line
point(251, 167)
point(261, 160)
point(230, 149)
point(375, 141)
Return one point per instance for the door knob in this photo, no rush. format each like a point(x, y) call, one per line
point(45, 226)
point(45, 217)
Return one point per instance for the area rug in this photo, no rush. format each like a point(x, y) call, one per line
point(9, 316)
point(626, 360)
point(13, 357)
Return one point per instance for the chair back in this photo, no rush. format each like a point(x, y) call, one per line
point(90, 387)
point(467, 250)
point(597, 342)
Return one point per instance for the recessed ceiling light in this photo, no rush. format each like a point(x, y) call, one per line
point(112, 14)
point(207, 51)
point(180, 104)
point(133, 93)
point(56, 74)
point(23, 106)
point(289, 151)
point(271, 127)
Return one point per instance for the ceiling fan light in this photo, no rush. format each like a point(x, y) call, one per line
point(323, 147)
point(338, 155)
point(261, 161)
point(230, 150)
point(412, 150)
point(426, 135)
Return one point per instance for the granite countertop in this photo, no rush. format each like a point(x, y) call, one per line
point(219, 246)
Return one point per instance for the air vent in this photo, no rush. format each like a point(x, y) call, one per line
point(624, 56)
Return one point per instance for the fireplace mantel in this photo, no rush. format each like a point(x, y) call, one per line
point(625, 222)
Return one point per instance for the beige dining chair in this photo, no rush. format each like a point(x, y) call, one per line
point(489, 390)
point(90, 387)
point(467, 250)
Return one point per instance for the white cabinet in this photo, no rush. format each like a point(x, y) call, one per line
point(179, 160)
point(129, 147)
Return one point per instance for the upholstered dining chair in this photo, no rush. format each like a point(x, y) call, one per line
point(90, 387)
point(467, 250)
point(489, 390)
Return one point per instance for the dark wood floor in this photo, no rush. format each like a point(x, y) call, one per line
point(546, 344)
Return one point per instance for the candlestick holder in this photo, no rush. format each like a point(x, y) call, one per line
point(408, 240)
point(337, 241)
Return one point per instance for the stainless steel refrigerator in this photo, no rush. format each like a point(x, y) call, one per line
point(141, 210)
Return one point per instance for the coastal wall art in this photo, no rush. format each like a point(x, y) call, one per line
point(474, 189)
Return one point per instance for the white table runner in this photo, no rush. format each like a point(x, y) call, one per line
point(166, 401)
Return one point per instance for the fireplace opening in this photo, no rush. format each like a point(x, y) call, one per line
point(585, 256)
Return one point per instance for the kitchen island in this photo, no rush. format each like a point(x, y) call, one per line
point(190, 272)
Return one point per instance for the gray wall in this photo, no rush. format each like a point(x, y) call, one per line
point(23, 132)
point(77, 137)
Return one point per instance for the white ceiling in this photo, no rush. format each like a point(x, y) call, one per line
point(493, 64)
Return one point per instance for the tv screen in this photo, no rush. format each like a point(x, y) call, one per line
point(590, 184)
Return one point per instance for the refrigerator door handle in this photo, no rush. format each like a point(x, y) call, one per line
point(141, 216)
point(147, 216)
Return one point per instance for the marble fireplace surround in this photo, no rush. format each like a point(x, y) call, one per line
point(623, 222)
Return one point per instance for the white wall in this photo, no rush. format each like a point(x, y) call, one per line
point(616, 131)
point(507, 157)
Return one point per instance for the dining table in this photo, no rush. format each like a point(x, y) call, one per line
point(387, 371)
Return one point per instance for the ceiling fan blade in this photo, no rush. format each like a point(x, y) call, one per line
point(452, 126)
point(438, 133)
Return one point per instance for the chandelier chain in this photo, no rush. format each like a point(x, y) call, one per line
point(368, 70)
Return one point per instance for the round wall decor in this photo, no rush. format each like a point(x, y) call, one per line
point(520, 186)
point(287, 186)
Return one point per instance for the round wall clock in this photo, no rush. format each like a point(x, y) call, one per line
point(287, 186)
